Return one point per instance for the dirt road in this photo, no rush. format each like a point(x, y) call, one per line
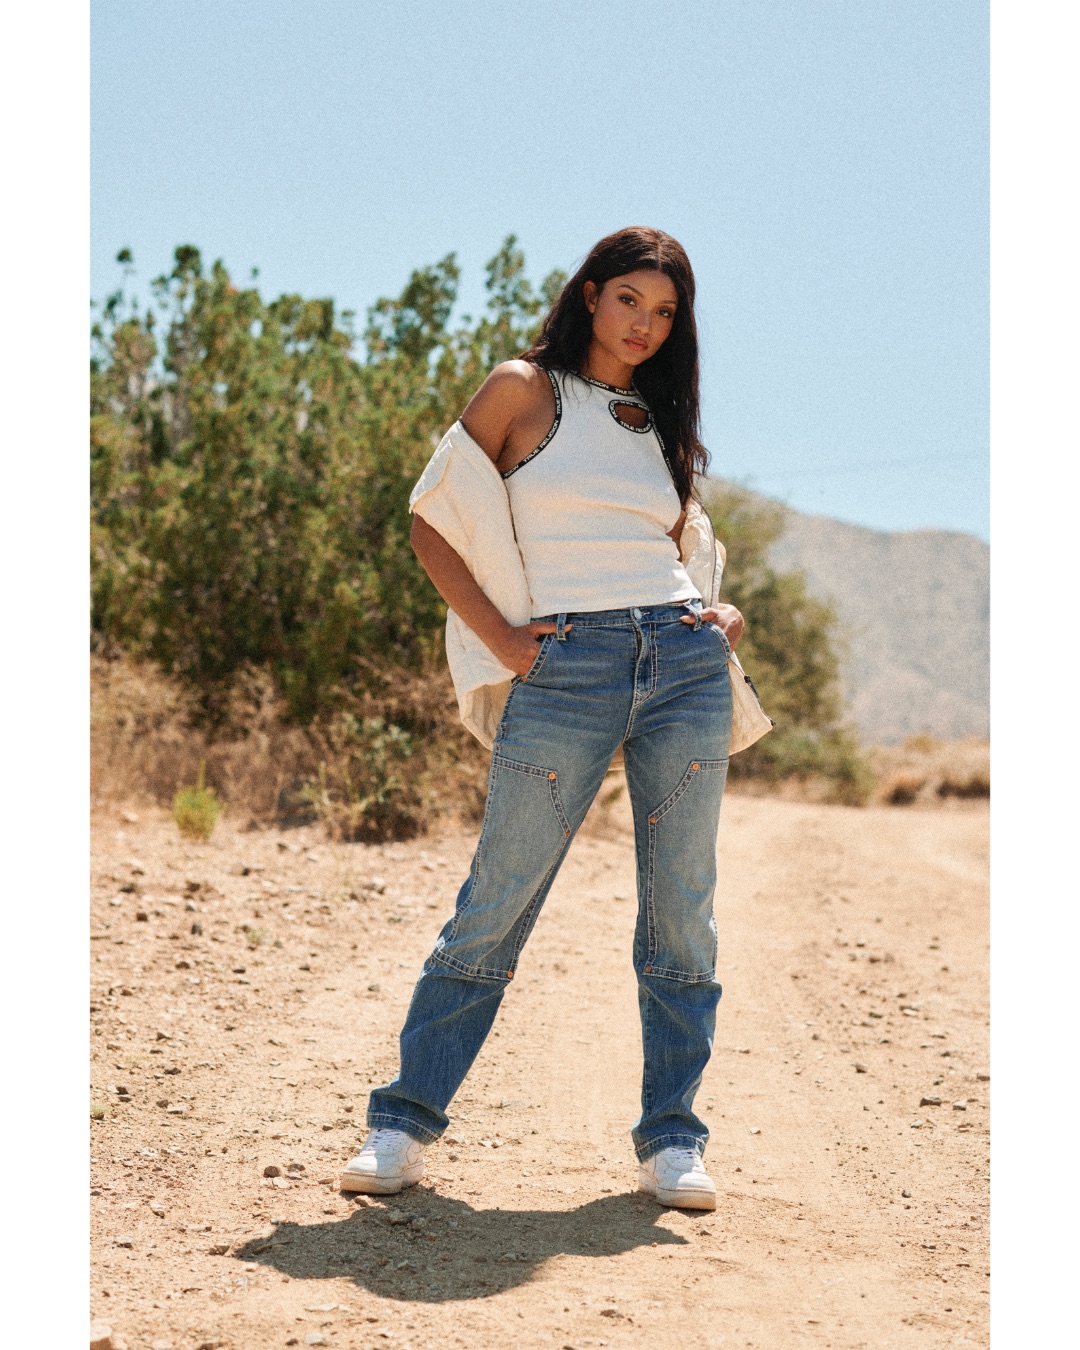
point(853, 953)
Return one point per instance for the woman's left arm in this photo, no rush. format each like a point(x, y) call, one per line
point(727, 618)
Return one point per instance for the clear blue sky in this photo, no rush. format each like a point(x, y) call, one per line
point(825, 163)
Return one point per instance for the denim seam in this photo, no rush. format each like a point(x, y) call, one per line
point(533, 771)
point(655, 817)
point(473, 972)
point(682, 976)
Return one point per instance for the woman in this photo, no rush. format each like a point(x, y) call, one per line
point(594, 620)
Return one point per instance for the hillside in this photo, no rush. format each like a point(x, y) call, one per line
point(915, 607)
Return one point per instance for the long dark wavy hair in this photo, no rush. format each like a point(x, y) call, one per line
point(667, 381)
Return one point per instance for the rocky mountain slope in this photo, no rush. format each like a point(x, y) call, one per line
point(915, 609)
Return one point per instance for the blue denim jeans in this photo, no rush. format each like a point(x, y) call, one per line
point(659, 687)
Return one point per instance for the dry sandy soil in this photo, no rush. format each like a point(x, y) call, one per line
point(245, 993)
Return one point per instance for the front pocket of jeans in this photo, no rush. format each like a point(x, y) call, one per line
point(715, 628)
point(541, 657)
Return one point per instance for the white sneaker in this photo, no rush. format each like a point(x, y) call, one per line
point(677, 1176)
point(389, 1161)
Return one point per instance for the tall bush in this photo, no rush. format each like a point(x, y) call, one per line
point(790, 649)
point(251, 462)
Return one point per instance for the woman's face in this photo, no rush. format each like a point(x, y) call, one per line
point(632, 314)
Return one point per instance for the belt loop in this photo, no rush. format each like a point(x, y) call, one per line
point(694, 606)
point(560, 627)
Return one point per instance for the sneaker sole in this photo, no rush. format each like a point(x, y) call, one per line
point(353, 1181)
point(681, 1199)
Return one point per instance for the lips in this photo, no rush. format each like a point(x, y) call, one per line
point(636, 344)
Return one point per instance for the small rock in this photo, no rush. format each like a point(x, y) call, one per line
point(755, 1130)
point(161, 1345)
point(930, 1101)
point(271, 1170)
point(141, 916)
point(906, 1195)
point(280, 1183)
point(125, 1240)
point(219, 1249)
point(295, 1167)
point(177, 1110)
point(860, 1067)
point(397, 1216)
point(190, 907)
point(129, 817)
point(374, 988)
point(101, 1336)
point(361, 1201)
point(982, 1078)
point(316, 1338)
point(196, 930)
point(959, 1106)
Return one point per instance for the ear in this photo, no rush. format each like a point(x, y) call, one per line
point(591, 293)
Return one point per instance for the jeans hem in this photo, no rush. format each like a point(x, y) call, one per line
point(650, 1147)
point(380, 1120)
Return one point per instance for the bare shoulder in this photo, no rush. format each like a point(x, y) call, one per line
point(511, 393)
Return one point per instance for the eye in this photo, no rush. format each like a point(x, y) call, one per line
point(627, 299)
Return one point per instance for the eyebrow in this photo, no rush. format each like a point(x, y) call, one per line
point(637, 292)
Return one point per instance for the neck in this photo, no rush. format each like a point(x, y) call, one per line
point(601, 365)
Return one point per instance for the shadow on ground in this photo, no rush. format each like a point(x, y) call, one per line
point(427, 1248)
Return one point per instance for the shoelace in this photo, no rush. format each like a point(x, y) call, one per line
point(685, 1155)
point(382, 1139)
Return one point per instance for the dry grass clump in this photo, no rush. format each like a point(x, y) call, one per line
point(927, 772)
point(383, 766)
point(196, 808)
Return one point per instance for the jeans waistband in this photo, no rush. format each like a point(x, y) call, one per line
point(630, 616)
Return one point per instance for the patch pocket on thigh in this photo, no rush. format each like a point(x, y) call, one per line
point(692, 770)
point(682, 877)
point(500, 765)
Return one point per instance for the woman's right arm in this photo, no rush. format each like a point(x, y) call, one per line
point(506, 395)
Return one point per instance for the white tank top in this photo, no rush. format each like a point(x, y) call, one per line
point(592, 507)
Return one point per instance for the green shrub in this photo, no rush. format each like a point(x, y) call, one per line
point(790, 651)
point(196, 809)
point(368, 787)
point(249, 485)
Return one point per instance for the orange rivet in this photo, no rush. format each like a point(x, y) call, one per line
point(551, 775)
point(648, 970)
point(695, 767)
point(509, 974)
point(652, 820)
point(566, 834)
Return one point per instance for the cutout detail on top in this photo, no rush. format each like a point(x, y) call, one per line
point(632, 416)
